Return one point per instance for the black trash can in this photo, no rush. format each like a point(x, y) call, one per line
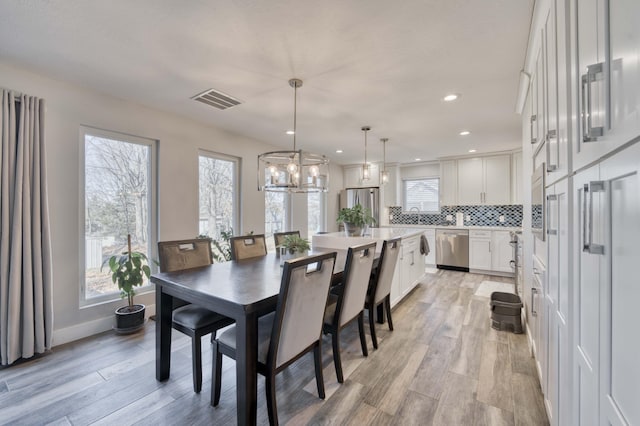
point(505, 311)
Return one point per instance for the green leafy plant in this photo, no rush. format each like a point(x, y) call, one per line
point(295, 243)
point(128, 271)
point(356, 215)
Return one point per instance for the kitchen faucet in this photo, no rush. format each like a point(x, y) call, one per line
point(417, 210)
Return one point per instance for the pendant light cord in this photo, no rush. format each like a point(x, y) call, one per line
point(295, 114)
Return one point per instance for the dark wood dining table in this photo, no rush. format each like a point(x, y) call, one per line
point(243, 290)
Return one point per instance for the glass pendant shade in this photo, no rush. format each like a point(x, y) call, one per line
point(366, 170)
point(295, 170)
point(384, 174)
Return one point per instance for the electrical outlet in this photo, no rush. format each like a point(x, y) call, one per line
point(501, 218)
point(449, 217)
point(468, 218)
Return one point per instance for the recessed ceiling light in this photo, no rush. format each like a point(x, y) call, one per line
point(418, 159)
point(465, 133)
point(290, 132)
point(450, 97)
point(472, 150)
point(338, 151)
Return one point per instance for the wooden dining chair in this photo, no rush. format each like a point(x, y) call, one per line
point(247, 246)
point(192, 320)
point(380, 285)
point(288, 333)
point(346, 301)
point(278, 237)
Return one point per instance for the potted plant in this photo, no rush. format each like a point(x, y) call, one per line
point(128, 271)
point(355, 220)
point(291, 246)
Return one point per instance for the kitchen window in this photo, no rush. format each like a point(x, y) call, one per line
point(119, 198)
point(423, 194)
point(218, 194)
point(316, 212)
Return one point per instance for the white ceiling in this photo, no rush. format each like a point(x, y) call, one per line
point(381, 63)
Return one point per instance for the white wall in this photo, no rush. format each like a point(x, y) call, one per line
point(67, 108)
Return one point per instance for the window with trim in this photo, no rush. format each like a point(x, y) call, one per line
point(218, 194)
point(276, 205)
point(119, 198)
point(316, 212)
point(423, 193)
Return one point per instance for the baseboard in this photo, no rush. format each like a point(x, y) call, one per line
point(90, 328)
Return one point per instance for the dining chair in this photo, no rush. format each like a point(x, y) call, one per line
point(278, 237)
point(288, 333)
point(247, 246)
point(346, 301)
point(192, 320)
point(380, 284)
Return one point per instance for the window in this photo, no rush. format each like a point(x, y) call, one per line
point(218, 194)
point(421, 193)
point(316, 212)
point(119, 199)
point(275, 216)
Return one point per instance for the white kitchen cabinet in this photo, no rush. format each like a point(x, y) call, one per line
point(480, 250)
point(501, 252)
point(484, 180)
point(389, 190)
point(448, 183)
point(607, 76)
point(430, 259)
point(516, 178)
point(556, 299)
point(538, 322)
point(353, 176)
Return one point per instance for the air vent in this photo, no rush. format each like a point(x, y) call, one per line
point(216, 99)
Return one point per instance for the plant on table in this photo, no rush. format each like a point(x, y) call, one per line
point(355, 218)
point(294, 244)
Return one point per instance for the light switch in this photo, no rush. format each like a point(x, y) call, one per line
point(501, 218)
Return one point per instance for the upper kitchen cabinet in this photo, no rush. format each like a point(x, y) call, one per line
point(484, 180)
point(607, 75)
point(353, 176)
point(516, 178)
point(448, 183)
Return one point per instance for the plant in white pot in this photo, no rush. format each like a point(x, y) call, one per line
point(355, 219)
point(128, 271)
point(292, 246)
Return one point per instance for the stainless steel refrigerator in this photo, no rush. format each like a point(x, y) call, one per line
point(369, 198)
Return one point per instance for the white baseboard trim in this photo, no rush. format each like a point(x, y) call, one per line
point(87, 329)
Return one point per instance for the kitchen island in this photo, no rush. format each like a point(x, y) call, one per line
point(410, 268)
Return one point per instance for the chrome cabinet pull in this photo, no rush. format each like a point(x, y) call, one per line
point(551, 134)
point(587, 228)
point(550, 197)
point(531, 121)
point(534, 291)
point(589, 133)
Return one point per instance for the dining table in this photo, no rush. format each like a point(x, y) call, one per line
point(242, 290)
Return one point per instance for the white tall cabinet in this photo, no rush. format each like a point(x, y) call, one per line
point(484, 180)
point(584, 125)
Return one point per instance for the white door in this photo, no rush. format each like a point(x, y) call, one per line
point(501, 251)
point(497, 180)
point(470, 181)
point(480, 253)
point(620, 290)
point(587, 220)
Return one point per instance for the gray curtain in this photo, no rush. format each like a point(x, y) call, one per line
point(26, 307)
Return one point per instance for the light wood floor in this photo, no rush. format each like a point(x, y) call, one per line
point(442, 365)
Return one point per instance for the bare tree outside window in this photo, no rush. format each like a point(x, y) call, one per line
point(117, 201)
point(217, 195)
point(274, 215)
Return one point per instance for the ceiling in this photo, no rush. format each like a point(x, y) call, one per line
point(386, 64)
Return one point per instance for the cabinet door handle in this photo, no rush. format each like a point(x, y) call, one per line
point(589, 133)
point(534, 291)
point(531, 121)
point(551, 134)
point(551, 197)
point(588, 245)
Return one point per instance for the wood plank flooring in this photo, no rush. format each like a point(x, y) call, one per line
point(443, 365)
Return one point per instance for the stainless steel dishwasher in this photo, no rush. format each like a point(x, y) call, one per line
point(452, 249)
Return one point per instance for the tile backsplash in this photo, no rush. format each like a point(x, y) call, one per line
point(473, 216)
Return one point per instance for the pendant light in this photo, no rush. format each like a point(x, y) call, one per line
point(366, 172)
point(295, 170)
point(384, 174)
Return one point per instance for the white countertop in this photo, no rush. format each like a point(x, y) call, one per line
point(338, 240)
